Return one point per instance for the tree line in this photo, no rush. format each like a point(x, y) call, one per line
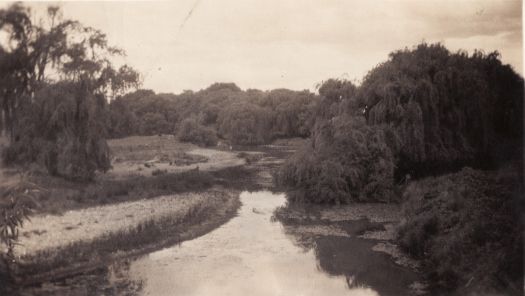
point(423, 111)
point(222, 111)
point(61, 98)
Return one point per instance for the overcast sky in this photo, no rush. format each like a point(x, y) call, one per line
point(265, 44)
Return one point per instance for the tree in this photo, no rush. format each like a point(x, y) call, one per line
point(73, 109)
point(344, 161)
point(193, 131)
point(123, 121)
point(154, 123)
point(245, 124)
point(446, 109)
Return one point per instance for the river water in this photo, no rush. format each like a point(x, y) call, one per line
point(269, 248)
point(255, 254)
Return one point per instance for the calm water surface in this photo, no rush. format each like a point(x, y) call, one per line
point(259, 252)
point(249, 255)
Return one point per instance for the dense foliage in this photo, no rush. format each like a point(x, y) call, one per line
point(193, 131)
point(424, 112)
point(57, 120)
point(465, 228)
point(62, 129)
point(346, 160)
point(241, 117)
point(446, 109)
point(427, 111)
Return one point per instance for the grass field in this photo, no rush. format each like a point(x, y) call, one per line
point(148, 155)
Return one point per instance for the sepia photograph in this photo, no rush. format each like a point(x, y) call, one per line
point(262, 147)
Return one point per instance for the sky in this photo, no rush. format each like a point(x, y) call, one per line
point(267, 44)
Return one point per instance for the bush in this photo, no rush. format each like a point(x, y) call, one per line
point(465, 228)
point(345, 161)
point(17, 203)
point(194, 132)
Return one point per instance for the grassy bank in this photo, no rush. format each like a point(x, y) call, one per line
point(166, 166)
point(62, 195)
point(466, 229)
point(135, 233)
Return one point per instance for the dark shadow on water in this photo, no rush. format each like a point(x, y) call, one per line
point(355, 259)
point(346, 255)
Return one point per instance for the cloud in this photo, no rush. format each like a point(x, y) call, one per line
point(455, 19)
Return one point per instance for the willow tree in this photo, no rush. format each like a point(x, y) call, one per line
point(345, 160)
point(245, 124)
point(56, 79)
point(446, 109)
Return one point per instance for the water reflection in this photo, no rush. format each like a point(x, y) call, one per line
point(249, 255)
point(340, 251)
point(295, 250)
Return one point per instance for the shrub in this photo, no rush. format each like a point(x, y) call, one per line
point(194, 132)
point(17, 201)
point(465, 228)
point(345, 161)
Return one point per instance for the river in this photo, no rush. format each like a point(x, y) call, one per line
point(255, 254)
point(269, 248)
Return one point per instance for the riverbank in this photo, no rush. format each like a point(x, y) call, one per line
point(58, 249)
point(142, 168)
point(80, 227)
point(357, 241)
point(460, 232)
